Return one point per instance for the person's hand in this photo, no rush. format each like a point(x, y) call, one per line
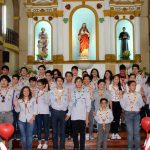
point(46, 88)
point(120, 94)
point(32, 120)
point(67, 117)
point(16, 102)
point(87, 123)
point(94, 114)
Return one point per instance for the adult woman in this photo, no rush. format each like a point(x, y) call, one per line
point(27, 107)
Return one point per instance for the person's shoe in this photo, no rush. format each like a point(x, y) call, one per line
point(91, 138)
point(39, 146)
point(113, 137)
point(45, 146)
point(118, 137)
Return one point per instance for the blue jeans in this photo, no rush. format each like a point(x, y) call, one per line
point(26, 131)
point(132, 120)
point(43, 119)
point(58, 124)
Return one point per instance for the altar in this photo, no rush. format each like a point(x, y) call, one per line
point(90, 33)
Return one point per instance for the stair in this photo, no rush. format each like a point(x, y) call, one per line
point(90, 145)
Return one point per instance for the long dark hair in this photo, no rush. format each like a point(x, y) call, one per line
point(119, 84)
point(82, 28)
point(148, 80)
point(21, 96)
point(111, 75)
point(92, 72)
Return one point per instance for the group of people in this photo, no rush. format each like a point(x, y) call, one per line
point(74, 103)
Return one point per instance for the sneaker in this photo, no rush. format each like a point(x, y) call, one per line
point(113, 137)
point(39, 146)
point(118, 137)
point(91, 138)
point(45, 146)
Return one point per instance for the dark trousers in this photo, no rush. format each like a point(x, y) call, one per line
point(58, 124)
point(15, 123)
point(79, 126)
point(43, 119)
point(116, 109)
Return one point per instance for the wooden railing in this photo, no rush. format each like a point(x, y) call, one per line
point(12, 37)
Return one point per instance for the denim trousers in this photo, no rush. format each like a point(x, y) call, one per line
point(42, 120)
point(132, 120)
point(58, 124)
point(26, 131)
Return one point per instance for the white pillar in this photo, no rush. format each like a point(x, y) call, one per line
point(107, 35)
point(137, 35)
point(112, 36)
point(30, 37)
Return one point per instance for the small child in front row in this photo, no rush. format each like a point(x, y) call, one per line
point(103, 117)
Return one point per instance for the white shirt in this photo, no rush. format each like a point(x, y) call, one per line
point(43, 102)
point(2, 146)
point(59, 99)
point(104, 115)
point(28, 111)
point(80, 104)
point(7, 105)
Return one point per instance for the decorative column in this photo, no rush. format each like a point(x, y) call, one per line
point(137, 55)
point(30, 37)
point(59, 32)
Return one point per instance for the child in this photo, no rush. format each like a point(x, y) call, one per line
point(42, 118)
point(131, 103)
point(103, 117)
point(116, 93)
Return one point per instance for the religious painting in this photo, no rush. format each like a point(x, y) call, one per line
point(43, 41)
point(83, 35)
point(124, 40)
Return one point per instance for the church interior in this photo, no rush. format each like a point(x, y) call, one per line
point(60, 34)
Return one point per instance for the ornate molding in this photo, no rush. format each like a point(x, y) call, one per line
point(137, 58)
point(110, 57)
point(44, 12)
point(58, 58)
point(2, 1)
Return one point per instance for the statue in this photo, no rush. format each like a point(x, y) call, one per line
point(42, 43)
point(84, 37)
point(124, 37)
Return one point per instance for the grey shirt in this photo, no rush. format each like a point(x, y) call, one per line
point(7, 105)
point(132, 102)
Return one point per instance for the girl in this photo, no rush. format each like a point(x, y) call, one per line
point(116, 94)
point(26, 106)
point(103, 117)
point(43, 102)
point(79, 109)
point(59, 103)
point(132, 103)
point(94, 77)
point(100, 93)
point(108, 77)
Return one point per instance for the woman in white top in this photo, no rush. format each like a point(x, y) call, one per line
point(116, 94)
point(43, 102)
point(26, 105)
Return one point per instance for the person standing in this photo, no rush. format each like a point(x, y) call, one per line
point(103, 117)
point(27, 108)
point(131, 103)
point(80, 106)
point(59, 104)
